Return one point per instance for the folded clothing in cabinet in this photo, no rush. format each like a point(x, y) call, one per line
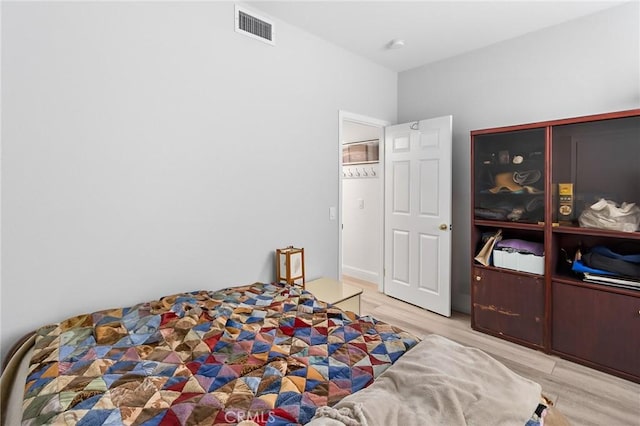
point(603, 258)
point(603, 265)
point(521, 246)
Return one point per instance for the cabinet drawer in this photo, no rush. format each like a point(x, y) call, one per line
point(509, 304)
point(597, 326)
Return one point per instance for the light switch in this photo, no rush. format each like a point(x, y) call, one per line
point(332, 213)
point(360, 203)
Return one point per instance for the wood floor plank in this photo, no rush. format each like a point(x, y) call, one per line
point(587, 397)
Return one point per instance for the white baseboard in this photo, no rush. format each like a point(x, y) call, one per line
point(361, 274)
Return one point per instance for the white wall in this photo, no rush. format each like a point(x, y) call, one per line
point(149, 149)
point(587, 66)
point(362, 211)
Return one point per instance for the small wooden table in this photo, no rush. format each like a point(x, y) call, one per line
point(344, 296)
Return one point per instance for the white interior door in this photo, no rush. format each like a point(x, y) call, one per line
point(417, 255)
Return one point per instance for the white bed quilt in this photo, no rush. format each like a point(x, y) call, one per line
point(438, 382)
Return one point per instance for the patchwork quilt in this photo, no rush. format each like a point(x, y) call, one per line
point(268, 353)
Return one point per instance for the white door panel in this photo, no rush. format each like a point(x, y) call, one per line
point(429, 181)
point(401, 188)
point(428, 276)
point(400, 269)
point(418, 213)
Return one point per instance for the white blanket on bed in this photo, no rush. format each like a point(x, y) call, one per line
point(438, 382)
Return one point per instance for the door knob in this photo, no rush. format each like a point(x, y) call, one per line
point(443, 227)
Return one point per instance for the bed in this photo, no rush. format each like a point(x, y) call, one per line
point(260, 354)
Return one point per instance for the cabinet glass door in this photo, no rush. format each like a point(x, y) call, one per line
point(593, 161)
point(509, 169)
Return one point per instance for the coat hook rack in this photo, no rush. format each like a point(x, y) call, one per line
point(355, 172)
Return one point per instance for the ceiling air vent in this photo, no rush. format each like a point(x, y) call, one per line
point(254, 26)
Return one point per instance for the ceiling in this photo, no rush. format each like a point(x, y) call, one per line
point(431, 30)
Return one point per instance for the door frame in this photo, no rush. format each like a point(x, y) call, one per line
point(380, 124)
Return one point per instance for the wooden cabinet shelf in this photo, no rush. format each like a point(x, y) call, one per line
point(509, 225)
point(596, 232)
point(516, 173)
point(510, 271)
point(563, 279)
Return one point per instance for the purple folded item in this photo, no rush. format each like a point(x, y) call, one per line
point(521, 246)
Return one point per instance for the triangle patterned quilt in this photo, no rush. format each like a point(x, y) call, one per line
point(270, 354)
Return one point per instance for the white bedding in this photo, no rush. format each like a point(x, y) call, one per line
point(438, 382)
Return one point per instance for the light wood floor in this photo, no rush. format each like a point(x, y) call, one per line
point(585, 396)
